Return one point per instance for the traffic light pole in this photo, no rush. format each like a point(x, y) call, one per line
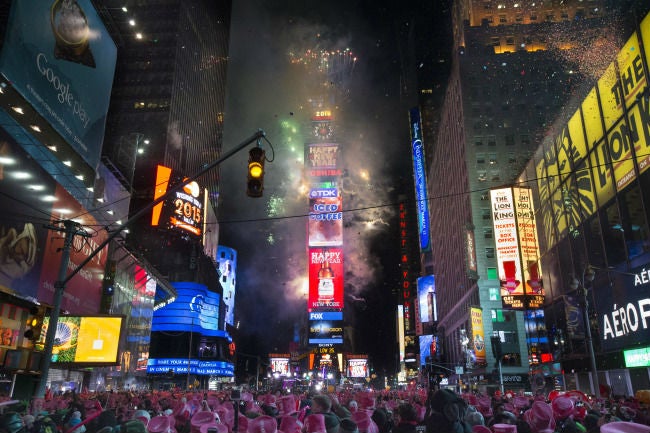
point(73, 229)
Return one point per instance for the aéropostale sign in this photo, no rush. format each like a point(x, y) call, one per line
point(60, 58)
point(624, 309)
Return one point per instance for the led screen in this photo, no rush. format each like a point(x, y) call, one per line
point(325, 279)
point(326, 331)
point(280, 365)
point(195, 366)
point(85, 339)
point(325, 220)
point(194, 309)
point(183, 210)
point(358, 367)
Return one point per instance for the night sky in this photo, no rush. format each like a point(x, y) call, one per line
point(267, 91)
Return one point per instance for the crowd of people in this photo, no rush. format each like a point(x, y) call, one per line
point(235, 411)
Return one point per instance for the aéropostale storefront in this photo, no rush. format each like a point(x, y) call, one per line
point(624, 329)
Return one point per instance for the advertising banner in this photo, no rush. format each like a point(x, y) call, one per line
point(421, 197)
point(507, 247)
point(280, 365)
point(427, 302)
point(85, 340)
point(637, 357)
point(183, 210)
point(529, 248)
point(227, 262)
point(478, 335)
point(326, 332)
point(624, 309)
point(322, 160)
point(195, 366)
point(61, 59)
point(357, 367)
point(83, 292)
point(195, 309)
point(325, 279)
point(325, 226)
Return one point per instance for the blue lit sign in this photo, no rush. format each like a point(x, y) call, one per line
point(180, 366)
point(326, 315)
point(195, 309)
point(420, 178)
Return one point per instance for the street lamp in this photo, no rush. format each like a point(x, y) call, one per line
point(588, 275)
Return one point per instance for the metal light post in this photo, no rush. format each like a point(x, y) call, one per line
point(588, 275)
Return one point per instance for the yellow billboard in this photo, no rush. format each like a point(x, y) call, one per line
point(478, 335)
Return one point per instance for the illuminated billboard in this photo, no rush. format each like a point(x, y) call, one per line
point(507, 247)
point(357, 366)
point(183, 210)
point(325, 226)
point(227, 262)
point(428, 347)
point(322, 160)
point(279, 363)
point(427, 307)
point(529, 248)
point(195, 309)
point(478, 335)
point(61, 59)
point(419, 174)
point(325, 279)
point(85, 339)
point(602, 147)
point(637, 357)
point(195, 366)
point(326, 332)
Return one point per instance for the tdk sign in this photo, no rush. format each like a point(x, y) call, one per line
point(326, 315)
point(324, 192)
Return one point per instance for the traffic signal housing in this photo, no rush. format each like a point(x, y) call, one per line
point(255, 184)
point(35, 323)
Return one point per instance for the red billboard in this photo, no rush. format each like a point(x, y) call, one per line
point(325, 279)
point(83, 292)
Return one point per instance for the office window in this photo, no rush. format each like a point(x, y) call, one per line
point(482, 175)
point(480, 158)
point(510, 140)
point(486, 213)
point(478, 141)
point(487, 233)
point(495, 41)
point(492, 141)
point(489, 253)
point(495, 175)
point(493, 159)
point(519, 18)
point(510, 40)
point(503, 19)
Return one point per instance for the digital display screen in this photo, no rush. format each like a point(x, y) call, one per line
point(325, 279)
point(85, 339)
point(183, 210)
point(357, 368)
point(326, 331)
point(195, 366)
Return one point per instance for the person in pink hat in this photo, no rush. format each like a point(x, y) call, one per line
point(262, 424)
point(290, 424)
point(540, 418)
point(563, 408)
point(314, 423)
point(364, 422)
point(624, 427)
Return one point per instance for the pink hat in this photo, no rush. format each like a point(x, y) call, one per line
point(520, 402)
point(270, 400)
point(624, 427)
point(287, 404)
point(263, 424)
point(504, 428)
point(540, 417)
point(479, 428)
point(290, 424)
point(315, 423)
point(159, 424)
point(562, 407)
point(200, 418)
point(364, 422)
point(220, 428)
point(242, 425)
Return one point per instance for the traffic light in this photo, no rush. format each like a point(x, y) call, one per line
point(255, 185)
point(35, 323)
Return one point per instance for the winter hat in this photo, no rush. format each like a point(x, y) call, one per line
point(287, 404)
point(624, 427)
point(364, 422)
point(314, 423)
point(159, 424)
point(474, 417)
point(562, 407)
point(540, 418)
point(504, 428)
point(290, 424)
point(263, 424)
point(242, 424)
point(213, 427)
